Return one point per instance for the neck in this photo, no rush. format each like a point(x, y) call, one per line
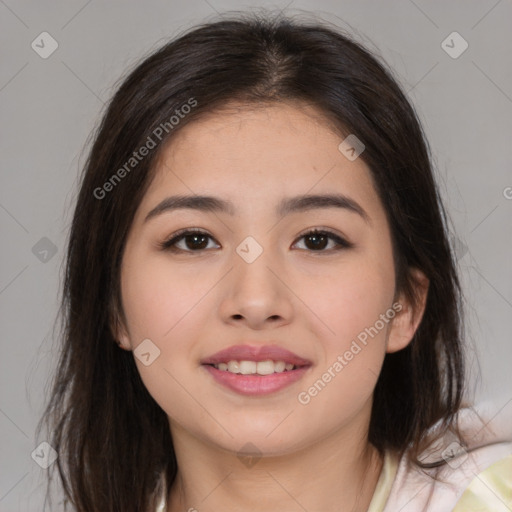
point(334, 470)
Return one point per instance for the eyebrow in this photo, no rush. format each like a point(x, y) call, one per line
point(286, 206)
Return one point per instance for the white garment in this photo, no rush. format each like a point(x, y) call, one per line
point(414, 491)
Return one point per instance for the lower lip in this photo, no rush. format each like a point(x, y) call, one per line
point(254, 385)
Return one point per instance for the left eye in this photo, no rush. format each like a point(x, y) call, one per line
point(197, 240)
point(320, 239)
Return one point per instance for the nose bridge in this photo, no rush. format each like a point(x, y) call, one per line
point(256, 293)
point(253, 262)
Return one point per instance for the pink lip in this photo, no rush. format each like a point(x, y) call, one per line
point(255, 353)
point(256, 384)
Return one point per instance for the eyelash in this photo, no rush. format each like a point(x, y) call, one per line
point(170, 244)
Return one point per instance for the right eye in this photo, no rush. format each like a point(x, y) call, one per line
point(194, 239)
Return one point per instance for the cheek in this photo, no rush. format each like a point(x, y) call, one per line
point(156, 300)
point(353, 299)
point(355, 306)
point(160, 306)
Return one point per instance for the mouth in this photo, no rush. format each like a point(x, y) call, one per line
point(251, 370)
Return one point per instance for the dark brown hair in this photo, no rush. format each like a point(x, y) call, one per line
point(113, 439)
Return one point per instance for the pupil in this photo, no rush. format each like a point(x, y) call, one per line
point(316, 237)
point(195, 237)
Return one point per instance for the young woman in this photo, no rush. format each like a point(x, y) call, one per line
point(261, 306)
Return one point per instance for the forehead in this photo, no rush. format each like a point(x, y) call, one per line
point(252, 155)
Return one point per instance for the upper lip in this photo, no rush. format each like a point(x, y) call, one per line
point(257, 354)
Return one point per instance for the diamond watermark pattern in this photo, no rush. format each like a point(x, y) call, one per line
point(44, 250)
point(44, 45)
point(351, 147)
point(454, 455)
point(146, 352)
point(459, 247)
point(249, 455)
point(454, 45)
point(44, 455)
point(249, 250)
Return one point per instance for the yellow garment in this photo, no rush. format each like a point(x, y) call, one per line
point(385, 482)
point(490, 491)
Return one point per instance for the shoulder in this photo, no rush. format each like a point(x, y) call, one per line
point(484, 459)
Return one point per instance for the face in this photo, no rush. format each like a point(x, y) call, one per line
point(257, 276)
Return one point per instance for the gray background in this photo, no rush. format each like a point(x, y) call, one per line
point(49, 106)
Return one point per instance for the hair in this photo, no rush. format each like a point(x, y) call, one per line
point(113, 439)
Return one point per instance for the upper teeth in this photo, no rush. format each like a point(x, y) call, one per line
point(252, 367)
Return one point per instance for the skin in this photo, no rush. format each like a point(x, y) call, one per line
point(314, 303)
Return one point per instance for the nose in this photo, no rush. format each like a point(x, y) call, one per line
point(256, 295)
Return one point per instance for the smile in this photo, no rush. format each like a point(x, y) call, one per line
point(253, 383)
point(267, 367)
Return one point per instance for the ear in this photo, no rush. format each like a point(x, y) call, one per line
point(408, 318)
point(118, 329)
